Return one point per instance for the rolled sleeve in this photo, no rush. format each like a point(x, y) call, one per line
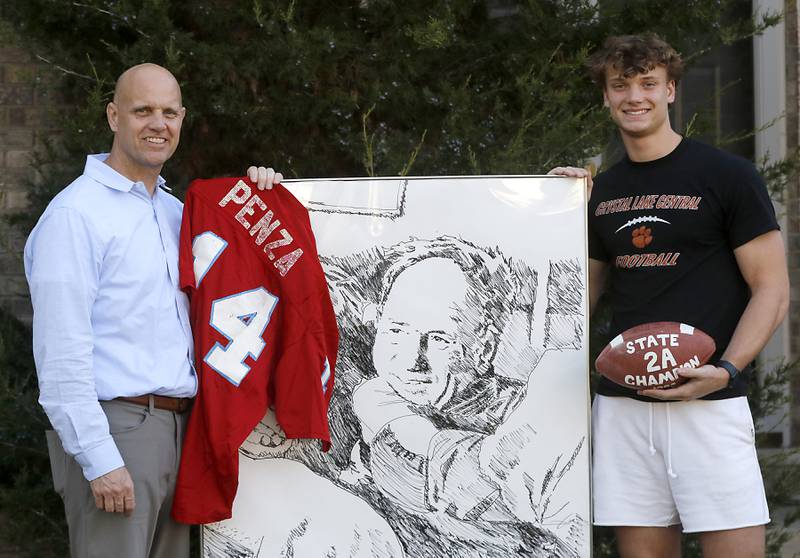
point(63, 259)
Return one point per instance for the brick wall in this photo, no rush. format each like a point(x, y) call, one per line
point(27, 101)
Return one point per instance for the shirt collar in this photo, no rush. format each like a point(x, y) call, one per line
point(97, 169)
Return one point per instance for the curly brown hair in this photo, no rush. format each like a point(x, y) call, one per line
point(634, 54)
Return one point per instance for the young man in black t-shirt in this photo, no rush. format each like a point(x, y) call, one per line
point(688, 234)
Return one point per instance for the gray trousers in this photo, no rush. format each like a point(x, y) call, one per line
point(150, 443)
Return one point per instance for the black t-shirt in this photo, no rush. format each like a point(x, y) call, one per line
point(668, 228)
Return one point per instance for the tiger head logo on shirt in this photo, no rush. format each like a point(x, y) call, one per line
point(641, 236)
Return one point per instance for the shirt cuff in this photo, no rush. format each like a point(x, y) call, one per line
point(100, 460)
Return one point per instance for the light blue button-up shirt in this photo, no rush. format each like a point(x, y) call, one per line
point(108, 317)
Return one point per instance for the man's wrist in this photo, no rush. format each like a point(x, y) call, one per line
point(100, 460)
point(730, 368)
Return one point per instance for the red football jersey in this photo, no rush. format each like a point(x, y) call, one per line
point(264, 333)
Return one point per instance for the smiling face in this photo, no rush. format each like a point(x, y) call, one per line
point(418, 349)
point(638, 104)
point(146, 117)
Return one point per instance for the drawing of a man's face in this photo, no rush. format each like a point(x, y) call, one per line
point(418, 348)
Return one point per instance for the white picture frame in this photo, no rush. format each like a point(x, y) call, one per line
point(460, 413)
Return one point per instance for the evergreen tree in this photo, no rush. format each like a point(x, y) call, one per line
point(358, 87)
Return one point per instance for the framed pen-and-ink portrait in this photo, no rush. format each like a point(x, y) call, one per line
point(460, 413)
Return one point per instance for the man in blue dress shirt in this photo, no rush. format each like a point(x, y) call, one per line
point(111, 334)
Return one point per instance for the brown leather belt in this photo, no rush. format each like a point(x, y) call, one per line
point(175, 404)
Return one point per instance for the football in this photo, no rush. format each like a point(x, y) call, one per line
point(647, 356)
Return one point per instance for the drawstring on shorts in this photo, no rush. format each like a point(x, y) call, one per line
point(652, 448)
point(670, 472)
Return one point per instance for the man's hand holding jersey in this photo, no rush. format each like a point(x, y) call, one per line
point(264, 177)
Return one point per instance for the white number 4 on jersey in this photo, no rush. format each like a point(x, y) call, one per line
point(241, 317)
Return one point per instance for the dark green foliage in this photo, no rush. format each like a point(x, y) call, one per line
point(338, 88)
point(33, 515)
point(348, 88)
point(769, 397)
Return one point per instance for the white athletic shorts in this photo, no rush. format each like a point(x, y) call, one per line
point(687, 462)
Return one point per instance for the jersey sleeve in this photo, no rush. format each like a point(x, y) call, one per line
point(302, 384)
point(749, 211)
point(185, 256)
